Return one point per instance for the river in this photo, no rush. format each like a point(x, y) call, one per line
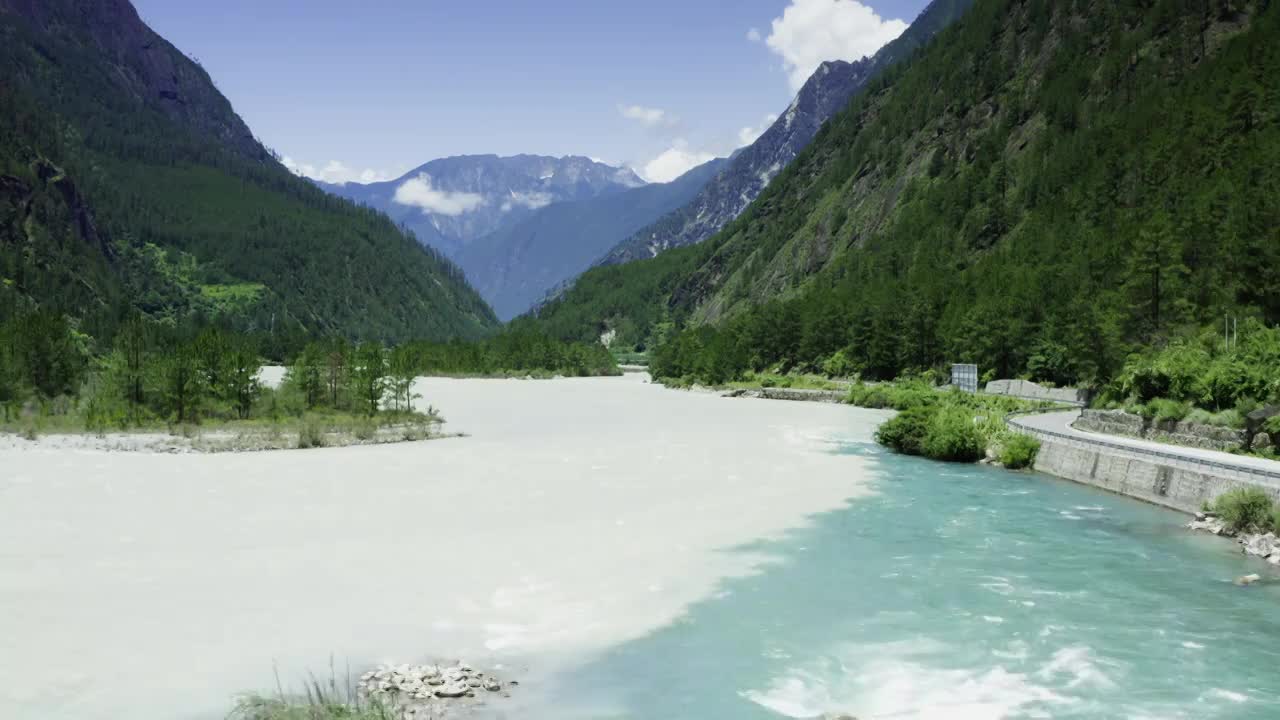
point(627, 552)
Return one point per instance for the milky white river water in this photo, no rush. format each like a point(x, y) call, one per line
point(579, 515)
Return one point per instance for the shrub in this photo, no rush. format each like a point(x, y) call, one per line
point(1227, 418)
point(1244, 509)
point(365, 429)
point(310, 436)
point(1019, 451)
point(954, 436)
point(839, 365)
point(868, 396)
point(1272, 425)
point(1165, 410)
point(906, 432)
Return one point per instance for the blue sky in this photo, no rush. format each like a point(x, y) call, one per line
point(370, 90)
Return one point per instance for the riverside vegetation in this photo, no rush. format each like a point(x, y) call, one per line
point(54, 378)
point(948, 425)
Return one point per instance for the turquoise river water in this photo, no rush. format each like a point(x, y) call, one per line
point(963, 592)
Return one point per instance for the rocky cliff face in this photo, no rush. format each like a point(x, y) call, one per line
point(450, 202)
point(825, 93)
point(143, 63)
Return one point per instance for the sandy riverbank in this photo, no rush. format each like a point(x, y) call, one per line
point(579, 514)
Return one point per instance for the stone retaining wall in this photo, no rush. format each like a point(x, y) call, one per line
point(829, 396)
point(1033, 391)
point(1119, 422)
point(1142, 478)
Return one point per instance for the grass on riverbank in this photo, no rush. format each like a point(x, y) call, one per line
point(256, 707)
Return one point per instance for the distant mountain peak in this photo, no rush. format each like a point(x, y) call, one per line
point(450, 202)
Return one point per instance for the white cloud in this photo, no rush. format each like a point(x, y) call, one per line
point(418, 192)
point(754, 35)
point(748, 135)
point(648, 116)
point(811, 31)
point(336, 172)
point(674, 162)
point(531, 200)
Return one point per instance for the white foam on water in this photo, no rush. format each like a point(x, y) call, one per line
point(1079, 665)
point(906, 690)
point(898, 680)
point(1190, 645)
point(1228, 695)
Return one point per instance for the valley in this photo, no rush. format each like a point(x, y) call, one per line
point(840, 359)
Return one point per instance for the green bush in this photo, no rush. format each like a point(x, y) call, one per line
point(906, 432)
point(839, 365)
point(1164, 410)
point(1272, 425)
point(868, 396)
point(940, 432)
point(1019, 451)
point(1227, 418)
point(953, 435)
point(1244, 509)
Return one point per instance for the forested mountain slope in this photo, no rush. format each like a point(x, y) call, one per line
point(751, 169)
point(127, 181)
point(516, 266)
point(1049, 184)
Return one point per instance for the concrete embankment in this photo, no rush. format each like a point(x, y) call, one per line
point(1173, 479)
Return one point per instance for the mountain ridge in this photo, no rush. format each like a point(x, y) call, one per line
point(826, 92)
point(451, 201)
point(1044, 188)
point(128, 183)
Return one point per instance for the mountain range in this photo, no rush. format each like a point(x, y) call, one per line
point(517, 259)
point(129, 184)
point(515, 267)
point(450, 202)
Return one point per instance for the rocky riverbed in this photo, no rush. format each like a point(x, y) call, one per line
point(430, 691)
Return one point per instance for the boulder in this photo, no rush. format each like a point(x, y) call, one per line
point(1261, 441)
point(494, 686)
point(1210, 525)
point(1260, 545)
point(452, 691)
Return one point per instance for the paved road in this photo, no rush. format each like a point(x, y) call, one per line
point(1060, 422)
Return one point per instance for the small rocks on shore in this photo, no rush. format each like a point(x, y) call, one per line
point(415, 689)
point(1262, 545)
